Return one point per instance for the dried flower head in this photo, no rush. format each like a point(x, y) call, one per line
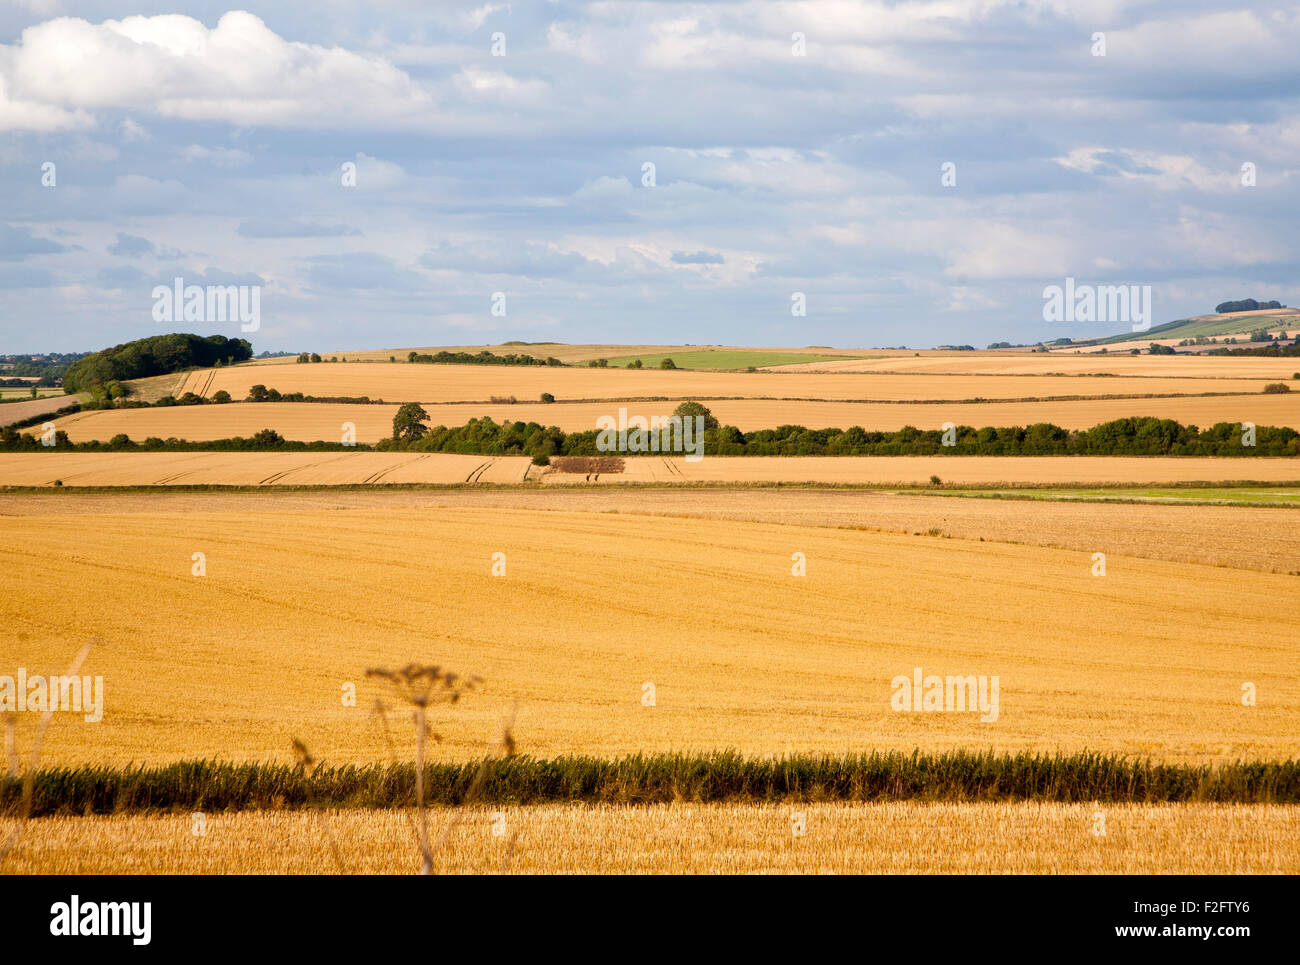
point(421, 686)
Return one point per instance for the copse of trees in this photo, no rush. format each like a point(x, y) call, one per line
point(482, 358)
point(260, 393)
point(156, 355)
point(1246, 305)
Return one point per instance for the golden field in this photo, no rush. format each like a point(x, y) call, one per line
point(255, 468)
point(357, 468)
point(1241, 537)
point(403, 382)
point(1148, 660)
point(896, 838)
point(677, 583)
point(310, 422)
point(961, 470)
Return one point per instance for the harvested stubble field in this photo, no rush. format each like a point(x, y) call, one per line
point(256, 468)
point(404, 382)
point(913, 470)
point(19, 411)
point(1241, 537)
point(110, 469)
point(1149, 660)
point(896, 838)
point(310, 422)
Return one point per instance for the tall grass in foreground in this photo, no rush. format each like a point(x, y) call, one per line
point(699, 778)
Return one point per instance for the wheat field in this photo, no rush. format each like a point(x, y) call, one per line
point(913, 470)
point(1148, 660)
point(896, 838)
point(1239, 537)
point(404, 382)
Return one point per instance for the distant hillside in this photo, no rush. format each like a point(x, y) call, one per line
point(1209, 326)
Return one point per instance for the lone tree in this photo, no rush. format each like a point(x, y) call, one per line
point(409, 423)
point(689, 410)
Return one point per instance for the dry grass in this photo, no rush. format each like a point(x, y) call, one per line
point(1149, 660)
point(902, 838)
point(323, 421)
point(478, 383)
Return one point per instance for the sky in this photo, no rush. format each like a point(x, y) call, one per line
point(644, 172)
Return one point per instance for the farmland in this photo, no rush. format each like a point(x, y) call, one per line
point(1148, 660)
point(324, 421)
point(719, 359)
point(378, 468)
point(902, 838)
point(723, 356)
point(404, 382)
point(1235, 536)
point(572, 590)
point(1064, 363)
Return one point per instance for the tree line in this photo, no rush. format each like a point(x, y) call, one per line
point(482, 358)
point(1140, 436)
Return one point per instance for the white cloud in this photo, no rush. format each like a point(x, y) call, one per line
point(27, 115)
point(239, 71)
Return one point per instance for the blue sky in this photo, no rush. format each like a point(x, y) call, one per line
point(207, 142)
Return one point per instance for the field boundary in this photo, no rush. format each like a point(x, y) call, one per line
point(1009, 487)
point(958, 776)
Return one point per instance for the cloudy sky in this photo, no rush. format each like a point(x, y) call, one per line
point(796, 147)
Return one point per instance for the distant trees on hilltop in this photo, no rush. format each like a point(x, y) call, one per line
point(1245, 305)
point(482, 358)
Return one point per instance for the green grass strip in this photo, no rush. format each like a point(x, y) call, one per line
point(659, 778)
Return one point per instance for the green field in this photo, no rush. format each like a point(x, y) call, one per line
point(727, 359)
point(1205, 495)
point(42, 392)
